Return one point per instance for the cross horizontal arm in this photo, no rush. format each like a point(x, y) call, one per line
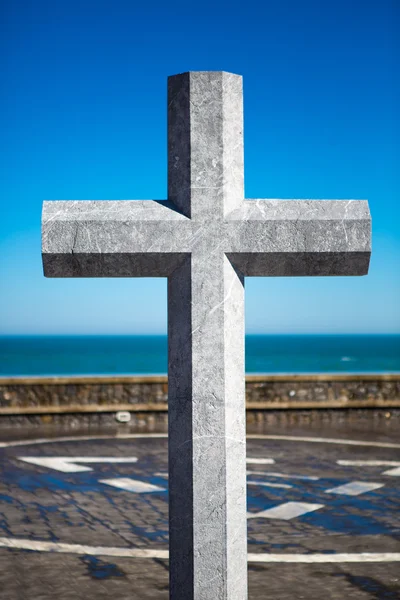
point(151, 238)
point(300, 237)
point(107, 238)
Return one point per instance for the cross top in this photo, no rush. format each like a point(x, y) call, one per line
point(206, 238)
point(205, 143)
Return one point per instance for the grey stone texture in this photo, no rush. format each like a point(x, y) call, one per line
point(205, 238)
point(152, 392)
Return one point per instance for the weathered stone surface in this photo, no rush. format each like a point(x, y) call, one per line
point(206, 239)
point(88, 391)
point(262, 238)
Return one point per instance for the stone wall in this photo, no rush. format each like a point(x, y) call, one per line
point(150, 394)
point(90, 393)
point(92, 402)
point(324, 390)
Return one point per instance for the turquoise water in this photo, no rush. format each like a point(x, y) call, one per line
point(128, 355)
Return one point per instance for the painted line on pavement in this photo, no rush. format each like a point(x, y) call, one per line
point(362, 557)
point(132, 485)
point(354, 488)
point(25, 544)
point(66, 464)
point(284, 475)
point(286, 511)
point(129, 436)
point(58, 547)
point(393, 472)
point(368, 463)
point(81, 438)
point(316, 440)
point(268, 484)
point(260, 461)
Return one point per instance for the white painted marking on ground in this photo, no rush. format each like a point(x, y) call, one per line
point(163, 474)
point(67, 464)
point(268, 484)
point(23, 544)
point(131, 436)
point(260, 461)
point(393, 472)
point(368, 463)
point(293, 438)
point(132, 485)
point(58, 464)
point(81, 438)
point(363, 557)
point(59, 547)
point(354, 488)
point(286, 511)
point(283, 475)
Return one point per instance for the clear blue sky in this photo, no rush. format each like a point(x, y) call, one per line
point(83, 116)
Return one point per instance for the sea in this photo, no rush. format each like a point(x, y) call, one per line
point(23, 356)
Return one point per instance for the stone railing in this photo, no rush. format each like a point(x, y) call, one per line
point(51, 395)
point(94, 401)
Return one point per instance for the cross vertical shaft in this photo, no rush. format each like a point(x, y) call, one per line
point(207, 470)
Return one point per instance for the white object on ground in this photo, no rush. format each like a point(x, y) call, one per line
point(268, 484)
point(368, 463)
point(67, 464)
point(59, 547)
point(354, 488)
point(393, 472)
point(132, 485)
point(284, 475)
point(260, 461)
point(286, 511)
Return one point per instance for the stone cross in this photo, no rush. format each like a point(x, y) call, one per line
point(206, 239)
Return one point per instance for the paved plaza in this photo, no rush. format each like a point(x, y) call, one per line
point(88, 518)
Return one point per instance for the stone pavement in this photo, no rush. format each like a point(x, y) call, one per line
point(306, 501)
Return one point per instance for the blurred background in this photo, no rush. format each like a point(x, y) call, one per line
point(83, 116)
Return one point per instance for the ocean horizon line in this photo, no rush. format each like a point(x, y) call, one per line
point(266, 374)
point(75, 335)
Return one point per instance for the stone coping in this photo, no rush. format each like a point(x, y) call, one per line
point(104, 379)
point(161, 407)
